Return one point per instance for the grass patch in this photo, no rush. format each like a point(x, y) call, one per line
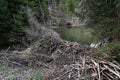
point(4, 67)
point(37, 76)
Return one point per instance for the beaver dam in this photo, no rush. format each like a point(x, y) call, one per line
point(50, 57)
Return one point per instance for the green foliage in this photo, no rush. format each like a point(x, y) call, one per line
point(115, 52)
point(12, 19)
point(68, 6)
point(105, 19)
point(4, 21)
point(104, 16)
point(17, 19)
point(40, 8)
point(113, 49)
point(102, 9)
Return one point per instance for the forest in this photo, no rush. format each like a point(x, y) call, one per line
point(59, 39)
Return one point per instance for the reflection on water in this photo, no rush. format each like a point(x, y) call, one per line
point(81, 35)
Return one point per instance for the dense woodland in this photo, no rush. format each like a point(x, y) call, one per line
point(103, 16)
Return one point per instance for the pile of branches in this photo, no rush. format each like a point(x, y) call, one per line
point(72, 61)
point(64, 60)
point(69, 61)
point(87, 69)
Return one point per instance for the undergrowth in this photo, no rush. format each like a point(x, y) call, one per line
point(112, 49)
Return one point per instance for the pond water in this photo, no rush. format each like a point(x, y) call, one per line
point(81, 35)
